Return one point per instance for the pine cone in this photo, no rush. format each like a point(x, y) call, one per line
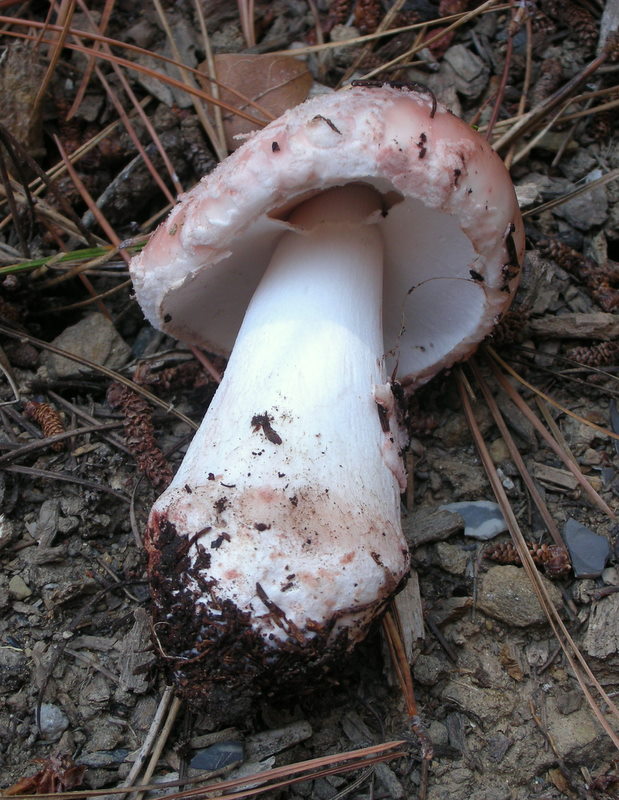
point(140, 434)
point(48, 419)
point(550, 77)
point(597, 355)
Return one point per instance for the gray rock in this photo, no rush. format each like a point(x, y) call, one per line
point(452, 558)
point(585, 211)
point(429, 670)
point(506, 594)
point(267, 743)
point(498, 745)
point(574, 733)
point(438, 733)
point(52, 721)
point(470, 72)
point(18, 588)
point(218, 755)
point(8, 531)
point(482, 518)
point(466, 477)
point(485, 704)
point(589, 551)
point(102, 758)
point(94, 338)
point(568, 702)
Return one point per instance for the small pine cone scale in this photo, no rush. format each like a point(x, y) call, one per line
point(140, 434)
point(511, 328)
point(598, 355)
point(550, 77)
point(48, 419)
point(368, 14)
point(552, 557)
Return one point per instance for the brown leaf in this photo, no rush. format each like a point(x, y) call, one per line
point(276, 83)
point(508, 660)
point(57, 774)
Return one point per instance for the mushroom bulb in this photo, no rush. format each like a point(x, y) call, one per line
point(362, 233)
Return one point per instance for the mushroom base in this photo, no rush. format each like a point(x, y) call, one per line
point(213, 653)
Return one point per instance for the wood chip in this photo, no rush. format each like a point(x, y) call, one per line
point(560, 478)
point(135, 654)
point(410, 614)
point(598, 325)
point(423, 526)
point(602, 637)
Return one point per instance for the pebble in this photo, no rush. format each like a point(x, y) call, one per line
point(483, 519)
point(568, 702)
point(429, 669)
point(470, 72)
point(498, 451)
point(8, 531)
point(452, 558)
point(589, 551)
point(18, 588)
point(438, 733)
point(506, 594)
point(102, 758)
point(94, 338)
point(52, 722)
point(218, 755)
point(498, 745)
point(585, 211)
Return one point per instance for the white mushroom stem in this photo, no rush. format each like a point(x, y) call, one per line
point(292, 484)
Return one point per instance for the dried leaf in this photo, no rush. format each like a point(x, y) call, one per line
point(508, 660)
point(57, 774)
point(276, 83)
point(556, 777)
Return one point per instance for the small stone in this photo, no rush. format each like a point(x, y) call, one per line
point(470, 72)
point(428, 670)
point(610, 576)
point(568, 702)
point(18, 588)
point(583, 590)
point(217, 756)
point(438, 733)
point(94, 338)
point(589, 551)
point(102, 758)
point(482, 518)
point(585, 211)
point(507, 595)
point(572, 734)
point(452, 558)
point(52, 721)
point(528, 194)
point(8, 531)
point(498, 450)
point(498, 745)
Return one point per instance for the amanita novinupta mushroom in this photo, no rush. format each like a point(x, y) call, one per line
point(364, 233)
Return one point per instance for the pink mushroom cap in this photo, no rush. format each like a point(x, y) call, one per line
point(453, 233)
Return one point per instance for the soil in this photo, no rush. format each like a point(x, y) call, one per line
point(79, 678)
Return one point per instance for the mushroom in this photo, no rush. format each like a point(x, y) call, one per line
point(364, 233)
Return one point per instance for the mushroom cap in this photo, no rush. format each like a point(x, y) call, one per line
point(452, 229)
